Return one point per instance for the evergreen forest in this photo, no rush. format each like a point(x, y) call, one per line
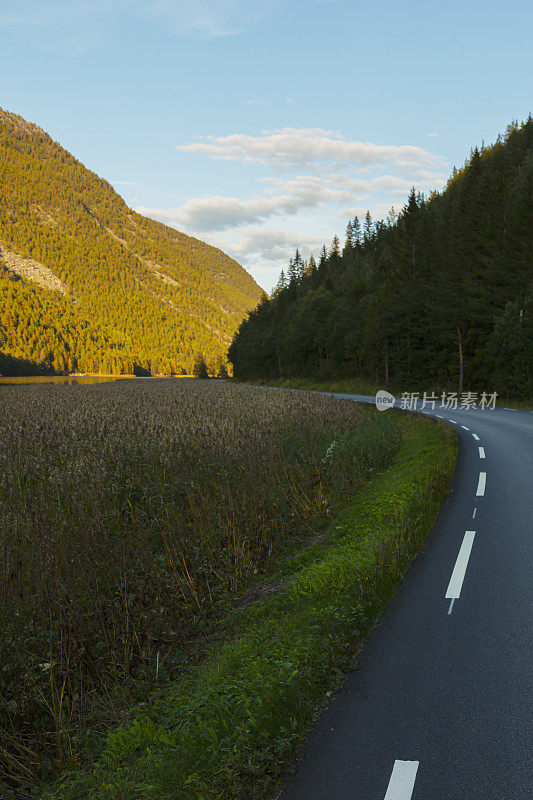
point(88, 285)
point(439, 296)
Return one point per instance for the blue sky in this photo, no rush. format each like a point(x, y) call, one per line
point(263, 126)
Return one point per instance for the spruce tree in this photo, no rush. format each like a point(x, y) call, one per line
point(368, 227)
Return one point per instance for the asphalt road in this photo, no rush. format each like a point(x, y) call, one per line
point(440, 707)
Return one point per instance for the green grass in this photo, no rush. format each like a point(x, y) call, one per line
point(361, 386)
point(521, 405)
point(341, 385)
point(233, 724)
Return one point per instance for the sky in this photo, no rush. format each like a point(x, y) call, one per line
point(264, 126)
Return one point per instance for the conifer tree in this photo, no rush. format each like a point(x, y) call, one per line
point(356, 231)
point(335, 248)
point(200, 368)
point(349, 236)
point(310, 268)
point(280, 285)
point(292, 271)
point(368, 227)
point(438, 296)
point(298, 265)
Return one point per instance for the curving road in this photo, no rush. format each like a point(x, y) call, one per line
point(440, 707)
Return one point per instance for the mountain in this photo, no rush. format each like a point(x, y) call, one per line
point(439, 296)
point(88, 285)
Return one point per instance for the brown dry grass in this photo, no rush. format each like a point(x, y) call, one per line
point(131, 513)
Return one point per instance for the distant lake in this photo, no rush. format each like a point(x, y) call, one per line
point(71, 379)
point(63, 379)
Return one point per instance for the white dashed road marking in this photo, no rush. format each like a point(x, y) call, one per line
point(464, 426)
point(474, 514)
point(482, 452)
point(402, 780)
point(481, 484)
point(454, 421)
point(476, 437)
point(458, 575)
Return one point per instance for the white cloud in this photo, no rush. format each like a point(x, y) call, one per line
point(427, 176)
point(323, 187)
point(393, 185)
point(333, 194)
point(313, 181)
point(316, 190)
point(275, 244)
point(268, 249)
point(281, 198)
point(294, 148)
point(214, 212)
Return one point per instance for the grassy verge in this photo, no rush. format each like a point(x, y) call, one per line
point(360, 386)
point(521, 405)
point(341, 385)
point(230, 727)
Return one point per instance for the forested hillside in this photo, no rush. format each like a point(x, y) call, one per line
point(87, 284)
point(445, 286)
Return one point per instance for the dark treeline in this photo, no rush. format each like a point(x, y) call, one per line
point(137, 295)
point(443, 288)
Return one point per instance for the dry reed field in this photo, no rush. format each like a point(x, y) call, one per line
point(133, 513)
